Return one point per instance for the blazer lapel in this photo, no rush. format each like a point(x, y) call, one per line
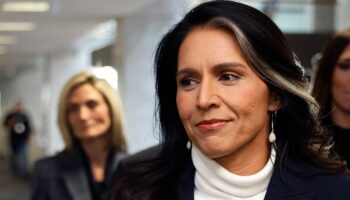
point(117, 157)
point(286, 184)
point(75, 177)
point(187, 182)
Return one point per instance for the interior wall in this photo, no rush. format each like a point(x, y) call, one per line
point(38, 87)
point(138, 36)
point(24, 85)
point(306, 46)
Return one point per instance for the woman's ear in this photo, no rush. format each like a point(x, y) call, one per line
point(275, 102)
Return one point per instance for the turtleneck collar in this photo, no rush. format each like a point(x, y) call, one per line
point(212, 181)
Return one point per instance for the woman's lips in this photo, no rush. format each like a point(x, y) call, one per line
point(208, 125)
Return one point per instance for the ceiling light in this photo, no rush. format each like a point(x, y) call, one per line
point(7, 39)
point(107, 73)
point(3, 49)
point(25, 6)
point(16, 26)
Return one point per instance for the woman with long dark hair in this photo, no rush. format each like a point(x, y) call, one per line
point(332, 90)
point(236, 119)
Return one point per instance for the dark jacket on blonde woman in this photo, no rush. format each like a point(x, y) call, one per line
point(68, 176)
point(90, 118)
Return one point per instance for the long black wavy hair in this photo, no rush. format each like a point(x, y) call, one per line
point(324, 73)
point(299, 135)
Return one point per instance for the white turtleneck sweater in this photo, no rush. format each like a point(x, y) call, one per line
point(214, 182)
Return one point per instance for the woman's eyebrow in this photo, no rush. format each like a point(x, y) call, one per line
point(227, 64)
point(217, 67)
point(186, 70)
point(345, 60)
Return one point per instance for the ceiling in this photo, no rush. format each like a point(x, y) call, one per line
point(59, 28)
point(68, 20)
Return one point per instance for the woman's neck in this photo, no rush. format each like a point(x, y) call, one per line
point(247, 163)
point(214, 181)
point(97, 150)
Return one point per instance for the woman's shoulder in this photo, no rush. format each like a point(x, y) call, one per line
point(47, 161)
point(47, 166)
point(302, 179)
point(335, 186)
point(334, 182)
point(143, 155)
point(120, 155)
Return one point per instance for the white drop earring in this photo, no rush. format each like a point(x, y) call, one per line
point(272, 136)
point(189, 144)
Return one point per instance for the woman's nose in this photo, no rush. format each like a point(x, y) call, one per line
point(208, 96)
point(83, 113)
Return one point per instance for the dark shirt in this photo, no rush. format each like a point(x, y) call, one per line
point(99, 190)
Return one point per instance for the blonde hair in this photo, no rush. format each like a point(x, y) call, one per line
point(113, 100)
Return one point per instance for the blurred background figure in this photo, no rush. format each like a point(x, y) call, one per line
point(332, 90)
point(18, 126)
point(90, 118)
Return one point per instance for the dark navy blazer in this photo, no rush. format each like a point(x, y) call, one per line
point(290, 183)
point(64, 177)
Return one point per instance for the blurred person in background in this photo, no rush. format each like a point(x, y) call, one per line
point(236, 117)
point(18, 125)
point(90, 118)
point(332, 90)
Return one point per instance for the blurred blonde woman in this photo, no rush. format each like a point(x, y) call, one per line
point(90, 118)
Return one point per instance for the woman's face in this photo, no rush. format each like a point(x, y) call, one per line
point(341, 83)
point(88, 113)
point(224, 106)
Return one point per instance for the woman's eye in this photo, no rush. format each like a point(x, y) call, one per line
point(73, 108)
point(228, 77)
point(344, 65)
point(187, 82)
point(91, 104)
